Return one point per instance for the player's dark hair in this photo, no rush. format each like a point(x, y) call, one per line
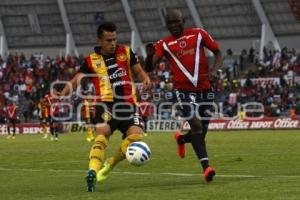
point(106, 26)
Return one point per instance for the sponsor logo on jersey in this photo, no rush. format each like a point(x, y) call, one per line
point(118, 73)
point(112, 66)
point(119, 83)
point(109, 59)
point(182, 44)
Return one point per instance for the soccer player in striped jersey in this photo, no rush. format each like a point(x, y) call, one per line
point(184, 50)
point(52, 110)
point(111, 67)
point(43, 115)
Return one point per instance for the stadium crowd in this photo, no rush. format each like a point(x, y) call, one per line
point(273, 81)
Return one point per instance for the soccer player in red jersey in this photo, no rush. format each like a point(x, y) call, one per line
point(12, 119)
point(184, 50)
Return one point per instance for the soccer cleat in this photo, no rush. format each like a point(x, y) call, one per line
point(91, 181)
point(181, 148)
point(13, 137)
point(103, 173)
point(56, 139)
point(8, 137)
point(45, 136)
point(89, 138)
point(209, 174)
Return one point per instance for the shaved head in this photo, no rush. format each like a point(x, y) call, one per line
point(174, 13)
point(175, 22)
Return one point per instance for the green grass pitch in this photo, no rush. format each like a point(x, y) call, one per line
point(249, 165)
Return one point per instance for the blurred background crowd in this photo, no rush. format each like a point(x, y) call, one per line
point(273, 81)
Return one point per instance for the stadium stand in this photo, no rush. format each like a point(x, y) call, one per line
point(281, 17)
point(32, 23)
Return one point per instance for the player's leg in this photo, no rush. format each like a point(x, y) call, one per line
point(57, 128)
point(96, 156)
point(145, 120)
point(185, 107)
point(8, 129)
point(199, 127)
point(197, 137)
point(133, 131)
point(14, 128)
point(199, 145)
point(44, 128)
point(51, 126)
point(89, 130)
point(103, 132)
point(133, 134)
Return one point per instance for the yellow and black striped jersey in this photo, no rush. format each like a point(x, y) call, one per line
point(112, 74)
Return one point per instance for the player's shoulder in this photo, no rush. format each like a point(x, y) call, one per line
point(159, 42)
point(196, 30)
point(123, 46)
point(167, 39)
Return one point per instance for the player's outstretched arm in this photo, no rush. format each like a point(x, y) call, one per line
point(73, 82)
point(217, 62)
point(142, 75)
point(151, 59)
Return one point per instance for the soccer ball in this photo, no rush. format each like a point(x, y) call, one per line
point(138, 153)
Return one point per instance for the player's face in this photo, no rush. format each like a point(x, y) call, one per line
point(108, 42)
point(175, 25)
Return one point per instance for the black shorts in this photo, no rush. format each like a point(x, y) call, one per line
point(90, 120)
point(192, 104)
point(50, 120)
point(12, 121)
point(43, 120)
point(119, 116)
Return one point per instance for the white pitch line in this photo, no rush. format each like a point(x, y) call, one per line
point(54, 162)
point(150, 174)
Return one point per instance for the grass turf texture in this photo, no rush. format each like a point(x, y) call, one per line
point(249, 165)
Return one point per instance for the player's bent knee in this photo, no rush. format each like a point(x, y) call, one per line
point(135, 137)
point(134, 130)
point(103, 129)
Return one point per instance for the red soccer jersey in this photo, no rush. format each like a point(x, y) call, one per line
point(145, 109)
point(187, 58)
point(12, 111)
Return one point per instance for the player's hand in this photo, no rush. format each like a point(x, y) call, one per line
point(213, 73)
point(147, 83)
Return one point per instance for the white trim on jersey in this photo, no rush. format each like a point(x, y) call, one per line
point(194, 78)
point(11, 114)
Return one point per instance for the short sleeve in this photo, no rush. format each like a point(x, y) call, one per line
point(159, 50)
point(209, 42)
point(133, 58)
point(84, 67)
